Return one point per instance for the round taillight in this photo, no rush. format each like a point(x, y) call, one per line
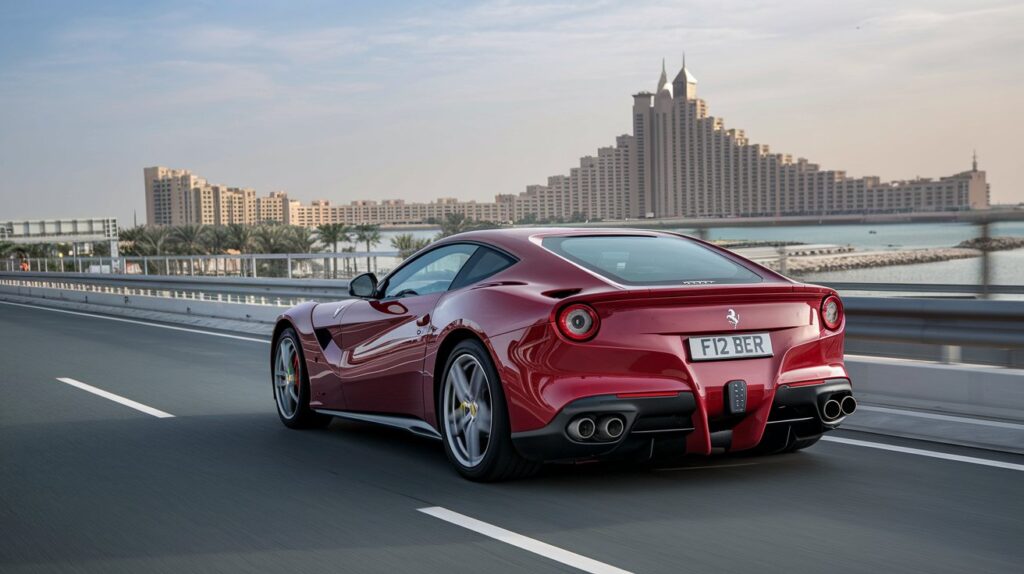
point(832, 312)
point(578, 322)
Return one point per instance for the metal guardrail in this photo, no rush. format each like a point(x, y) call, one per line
point(936, 321)
point(284, 265)
point(234, 290)
point(924, 320)
point(165, 285)
point(918, 288)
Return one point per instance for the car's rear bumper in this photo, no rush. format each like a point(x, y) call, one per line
point(645, 418)
point(679, 422)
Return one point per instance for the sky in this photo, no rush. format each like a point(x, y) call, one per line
point(418, 100)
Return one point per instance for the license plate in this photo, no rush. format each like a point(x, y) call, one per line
point(739, 346)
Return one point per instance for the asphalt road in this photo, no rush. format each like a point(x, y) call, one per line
point(90, 485)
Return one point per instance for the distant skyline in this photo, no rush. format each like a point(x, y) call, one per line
point(401, 100)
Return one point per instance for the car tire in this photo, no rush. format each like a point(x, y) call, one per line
point(290, 384)
point(499, 459)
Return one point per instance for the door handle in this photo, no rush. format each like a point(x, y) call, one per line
point(423, 321)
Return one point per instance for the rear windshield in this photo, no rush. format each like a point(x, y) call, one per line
point(649, 260)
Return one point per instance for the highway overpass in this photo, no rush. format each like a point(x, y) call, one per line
point(130, 444)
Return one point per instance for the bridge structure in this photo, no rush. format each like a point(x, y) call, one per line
point(138, 433)
point(78, 233)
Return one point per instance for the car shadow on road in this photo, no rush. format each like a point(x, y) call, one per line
point(191, 486)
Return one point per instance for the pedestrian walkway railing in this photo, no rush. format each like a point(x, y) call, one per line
point(257, 265)
point(244, 290)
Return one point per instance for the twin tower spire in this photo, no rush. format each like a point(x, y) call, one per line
point(684, 83)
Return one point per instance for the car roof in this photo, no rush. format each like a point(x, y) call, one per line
point(525, 243)
point(519, 239)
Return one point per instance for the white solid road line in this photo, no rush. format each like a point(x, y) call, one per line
point(939, 417)
point(928, 453)
point(116, 398)
point(519, 541)
point(120, 320)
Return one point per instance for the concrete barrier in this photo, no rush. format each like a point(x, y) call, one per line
point(963, 389)
point(965, 404)
point(977, 406)
point(126, 304)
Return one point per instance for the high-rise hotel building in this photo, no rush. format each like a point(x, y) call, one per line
point(179, 197)
point(679, 162)
point(682, 162)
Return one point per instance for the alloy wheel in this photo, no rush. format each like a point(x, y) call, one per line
point(287, 378)
point(467, 410)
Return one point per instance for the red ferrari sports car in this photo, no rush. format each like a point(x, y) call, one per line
point(516, 347)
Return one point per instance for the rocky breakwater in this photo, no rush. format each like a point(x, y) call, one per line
point(818, 263)
point(842, 262)
point(993, 243)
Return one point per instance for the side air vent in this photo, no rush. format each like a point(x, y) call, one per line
point(323, 336)
point(561, 293)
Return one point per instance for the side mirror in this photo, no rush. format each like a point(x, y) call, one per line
point(363, 286)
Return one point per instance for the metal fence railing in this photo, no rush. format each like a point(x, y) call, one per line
point(926, 289)
point(914, 321)
point(921, 318)
point(281, 265)
point(936, 329)
point(952, 322)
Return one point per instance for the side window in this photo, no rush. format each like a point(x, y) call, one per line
point(432, 272)
point(485, 263)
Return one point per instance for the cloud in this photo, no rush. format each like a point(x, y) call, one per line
point(459, 93)
point(215, 39)
point(920, 19)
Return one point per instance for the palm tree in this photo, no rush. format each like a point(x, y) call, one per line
point(454, 223)
point(406, 244)
point(129, 234)
point(216, 239)
point(332, 234)
point(457, 223)
point(37, 251)
point(130, 238)
point(215, 242)
point(354, 265)
point(240, 237)
point(153, 240)
point(300, 239)
point(189, 239)
point(40, 249)
point(270, 239)
point(7, 249)
point(486, 225)
point(370, 235)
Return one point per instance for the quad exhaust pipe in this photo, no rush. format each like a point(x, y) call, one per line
point(604, 429)
point(841, 407)
point(610, 428)
point(582, 428)
point(831, 410)
point(848, 405)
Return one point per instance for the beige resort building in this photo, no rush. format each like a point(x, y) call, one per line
point(679, 162)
